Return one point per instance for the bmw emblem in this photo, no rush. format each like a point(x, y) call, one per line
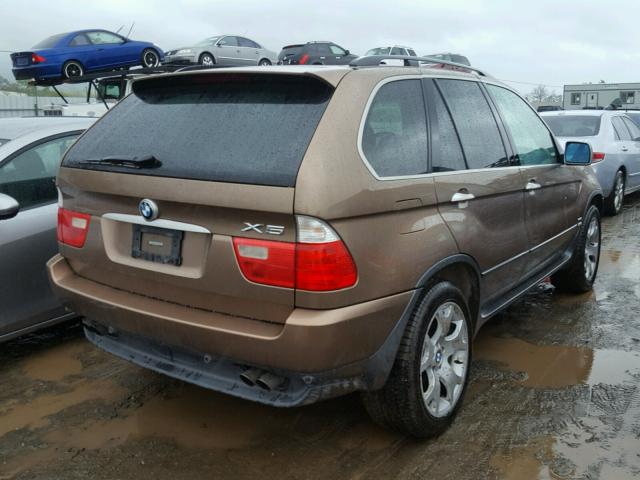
point(148, 209)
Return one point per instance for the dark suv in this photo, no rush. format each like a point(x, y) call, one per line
point(315, 53)
point(200, 241)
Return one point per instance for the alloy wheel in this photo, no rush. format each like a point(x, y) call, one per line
point(151, 59)
point(207, 60)
point(592, 249)
point(444, 359)
point(619, 192)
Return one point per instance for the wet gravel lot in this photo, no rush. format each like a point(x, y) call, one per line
point(554, 394)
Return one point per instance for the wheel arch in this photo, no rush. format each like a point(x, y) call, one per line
point(207, 52)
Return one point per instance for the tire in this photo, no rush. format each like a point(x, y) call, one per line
point(265, 62)
point(613, 203)
point(150, 58)
point(411, 401)
point(580, 274)
point(72, 69)
point(206, 59)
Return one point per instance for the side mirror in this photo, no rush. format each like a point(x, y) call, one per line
point(347, 52)
point(577, 153)
point(9, 207)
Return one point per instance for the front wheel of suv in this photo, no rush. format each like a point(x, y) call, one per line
point(431, 370)
point(578, 276)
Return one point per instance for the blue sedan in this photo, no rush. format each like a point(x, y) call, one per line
point(69, 55)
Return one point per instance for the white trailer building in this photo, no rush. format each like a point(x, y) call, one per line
point(601, 95)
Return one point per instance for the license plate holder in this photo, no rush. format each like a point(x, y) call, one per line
point(22, 61)
point(158, 245)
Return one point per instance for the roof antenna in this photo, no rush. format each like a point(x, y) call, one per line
point(131, 29)
point(118, 31)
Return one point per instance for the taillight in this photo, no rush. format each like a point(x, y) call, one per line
point(304, 59)
point(72, 227)
point(266, 262)
point(35, 58)
point(597, 157)
point(318, 261)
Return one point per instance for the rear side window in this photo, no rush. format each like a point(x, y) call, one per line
point(620, 128)
point(394, 139)
point(476, 125)
point(447, 152)
point(573, 125)
point(532, 140)
point(633, 128)
point(238, 128)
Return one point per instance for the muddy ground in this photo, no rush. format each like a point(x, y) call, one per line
point(554, 394)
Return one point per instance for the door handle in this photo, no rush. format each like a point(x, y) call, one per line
point(462, 196)
point(533, 185)
point(322, 58)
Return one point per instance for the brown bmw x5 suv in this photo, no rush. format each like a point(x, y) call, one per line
point(290, 234)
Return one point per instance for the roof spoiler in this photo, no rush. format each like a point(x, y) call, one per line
point(375, 60)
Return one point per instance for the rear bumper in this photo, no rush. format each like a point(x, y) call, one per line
point(38, 72)
point(321, 353)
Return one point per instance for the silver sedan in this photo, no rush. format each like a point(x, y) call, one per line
point(223, 50)
point(615, 142)
point(30, 154)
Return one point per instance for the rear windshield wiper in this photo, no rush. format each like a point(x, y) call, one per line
point(148, 161)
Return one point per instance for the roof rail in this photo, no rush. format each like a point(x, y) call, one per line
point(374, 61)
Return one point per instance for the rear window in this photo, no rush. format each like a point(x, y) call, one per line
point(51, 41)
point(238, 128)
point(573, 125)
point(290, 51)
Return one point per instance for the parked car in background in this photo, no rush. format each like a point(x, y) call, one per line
point(363, 256)
point(395, 50)
point(315, 53)
point(451, 57)
point(615, 141)
point(223, 50)
point(73, 54)
point(30, 155)
point(549, 108)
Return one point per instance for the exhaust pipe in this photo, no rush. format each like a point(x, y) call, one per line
point(250, 376)
point(268, 381)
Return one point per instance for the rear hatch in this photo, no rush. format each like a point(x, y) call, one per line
point(290, 54)
point(216, 155)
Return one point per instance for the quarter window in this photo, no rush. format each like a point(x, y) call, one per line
point(628, 97)
point(30, 176)
point(576, 98)
point(532, 141)
point(476, 125)
point(394, 140)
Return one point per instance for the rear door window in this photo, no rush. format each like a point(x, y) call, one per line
point(447, 151)
point(394, 138)
point(620, 128)
point(532, 140)
point(240, 128)
point(475, 122)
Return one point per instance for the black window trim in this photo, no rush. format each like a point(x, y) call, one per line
point(35, 144)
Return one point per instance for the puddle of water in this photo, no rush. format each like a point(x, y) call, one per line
point(525, 462)
point(548, 366)
point(556, 366)
point(33, 414)
point(624, 263)
point(57, 362)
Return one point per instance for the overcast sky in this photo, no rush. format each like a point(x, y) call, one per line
point(545, 41)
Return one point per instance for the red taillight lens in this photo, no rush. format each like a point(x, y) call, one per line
point(266, 262)
point(318, 262)
point(35, 58)
point(597, 157)
point(304, 59)
point(324, 266)
point(72, 227)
